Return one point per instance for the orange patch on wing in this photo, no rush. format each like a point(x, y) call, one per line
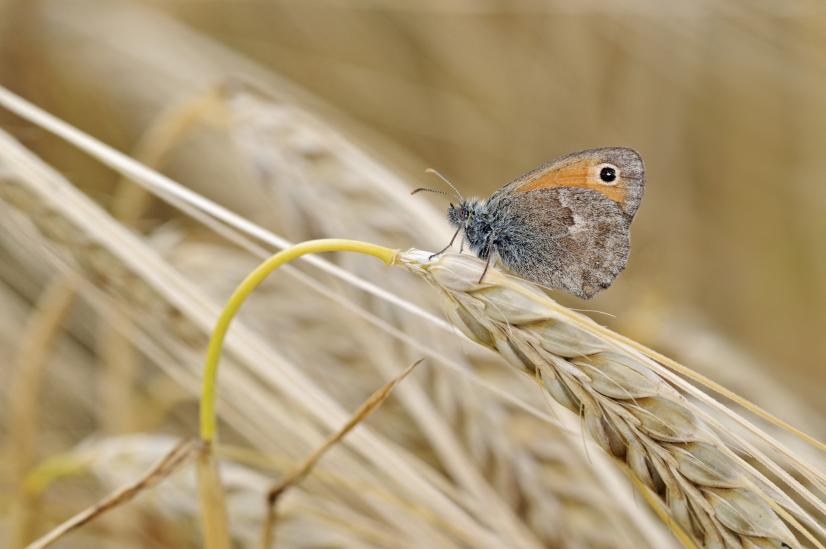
point(578, 175)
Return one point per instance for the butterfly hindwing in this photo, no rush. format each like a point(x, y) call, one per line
point(564, 237)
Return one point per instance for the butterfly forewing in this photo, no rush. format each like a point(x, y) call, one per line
point(582, 170)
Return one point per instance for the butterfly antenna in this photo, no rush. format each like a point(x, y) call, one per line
point(449, 184)
point(423, 189)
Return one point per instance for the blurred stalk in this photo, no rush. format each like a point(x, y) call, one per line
point(36, 343)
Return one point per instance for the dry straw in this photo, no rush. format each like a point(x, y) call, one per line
point(298, 473)
point(170, 463)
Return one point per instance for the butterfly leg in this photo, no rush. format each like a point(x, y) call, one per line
point(449, 244)
point(487, 263)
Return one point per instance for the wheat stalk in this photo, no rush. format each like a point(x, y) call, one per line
point(632, 412)
point(170, 463)
point(26, 382)
point(300, 472)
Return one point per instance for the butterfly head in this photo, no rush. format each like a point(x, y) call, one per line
point(458, 215)
point(465, 213)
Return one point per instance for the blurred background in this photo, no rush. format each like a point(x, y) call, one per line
point(724, 100)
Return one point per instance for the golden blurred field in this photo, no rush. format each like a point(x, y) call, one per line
point(315, 119)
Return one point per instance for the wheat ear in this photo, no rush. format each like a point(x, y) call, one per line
point(632, 412)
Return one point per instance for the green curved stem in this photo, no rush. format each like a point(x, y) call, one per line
point(208, 389)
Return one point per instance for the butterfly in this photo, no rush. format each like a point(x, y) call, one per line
point(564, 225)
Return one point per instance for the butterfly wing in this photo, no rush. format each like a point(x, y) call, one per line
point(582, 171)
point(562, 227)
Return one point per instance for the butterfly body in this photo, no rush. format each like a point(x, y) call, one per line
point(563, 225)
